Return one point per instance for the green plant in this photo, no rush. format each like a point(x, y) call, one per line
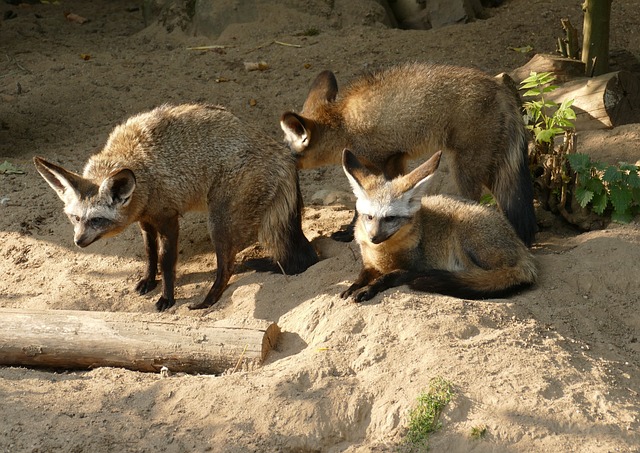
point(424, 417)
point(602, 185)
point(478, 432)
point(545, 118)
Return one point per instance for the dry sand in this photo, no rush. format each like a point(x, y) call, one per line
point(553, 369)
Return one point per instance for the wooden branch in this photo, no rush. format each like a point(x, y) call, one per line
point(137, 341)
point(606, 101)
point(568, 46)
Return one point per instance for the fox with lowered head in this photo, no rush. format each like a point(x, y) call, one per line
point(160, 164)
point(413, 110)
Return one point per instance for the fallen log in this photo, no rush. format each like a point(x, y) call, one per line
point(606, 101)
point(137, 341)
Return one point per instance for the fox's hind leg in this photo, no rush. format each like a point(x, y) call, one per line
point(150, 239)
point(225, 258)
point(227, 240)
point(469, 178)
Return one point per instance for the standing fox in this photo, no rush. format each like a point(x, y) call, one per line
point(160, 164)
point(436, 243)
point(412, 110)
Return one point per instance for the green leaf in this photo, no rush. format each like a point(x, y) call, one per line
point(622, 217)
point(599, 202)
point(599, 166)
point(8, 168)
point(580, 163)
point(583, 196)
point(621, 198)
point(594, 184)
point(633, 179)
point(624, 166)
point(612, 174)
point(532, 80)
point(488, 200)
point(545, 135)
point(533, 92)
point(549, 88)
point(524, 49)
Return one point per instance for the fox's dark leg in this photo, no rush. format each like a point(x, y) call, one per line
point(168, 238)
point(383, 282)
point(150, 239)
point(367, 275)
point(225, 258)
point(468, 178)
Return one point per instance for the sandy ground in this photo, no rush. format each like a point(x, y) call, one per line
point(553, 369)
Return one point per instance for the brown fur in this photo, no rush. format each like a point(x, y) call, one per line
point(160, 164)
point(445, 244)
point(412, 110)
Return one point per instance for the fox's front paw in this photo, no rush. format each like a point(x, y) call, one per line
point(364, 294)
point(359, 294)
point(164, 303)
point(347, 292)
point(145, 285)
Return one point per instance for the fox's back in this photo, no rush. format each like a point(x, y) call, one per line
point(179, 154)
point(402, 106)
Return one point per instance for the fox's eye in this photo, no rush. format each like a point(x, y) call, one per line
point(368, 217)
point(74, 218)
point(98, 222)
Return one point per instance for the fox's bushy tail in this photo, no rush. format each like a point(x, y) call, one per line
point(477, 283)
point(513, 184)
point(281, 227)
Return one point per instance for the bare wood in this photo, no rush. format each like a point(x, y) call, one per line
point(606, 101)
point(137, 341)
point(564, 68)
point(568, 46)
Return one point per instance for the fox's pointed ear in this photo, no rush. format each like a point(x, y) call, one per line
point(119, 186)
point(323, 89)
point(416, 182)
point(64, 182)
point(297, 130)
point(356, 173)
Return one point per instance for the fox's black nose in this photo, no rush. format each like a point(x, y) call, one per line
point(378, 238)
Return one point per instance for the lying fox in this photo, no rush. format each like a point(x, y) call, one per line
point(160, 164)
point(412, 110)
point(437, 243)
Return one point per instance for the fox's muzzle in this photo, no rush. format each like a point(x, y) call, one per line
point(83, 240)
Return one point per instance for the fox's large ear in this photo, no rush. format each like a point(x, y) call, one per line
point(356, 173)
point(297, 130)
point(119, 186)
point(323, 89)
point(415, 184)
point(64, 182)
